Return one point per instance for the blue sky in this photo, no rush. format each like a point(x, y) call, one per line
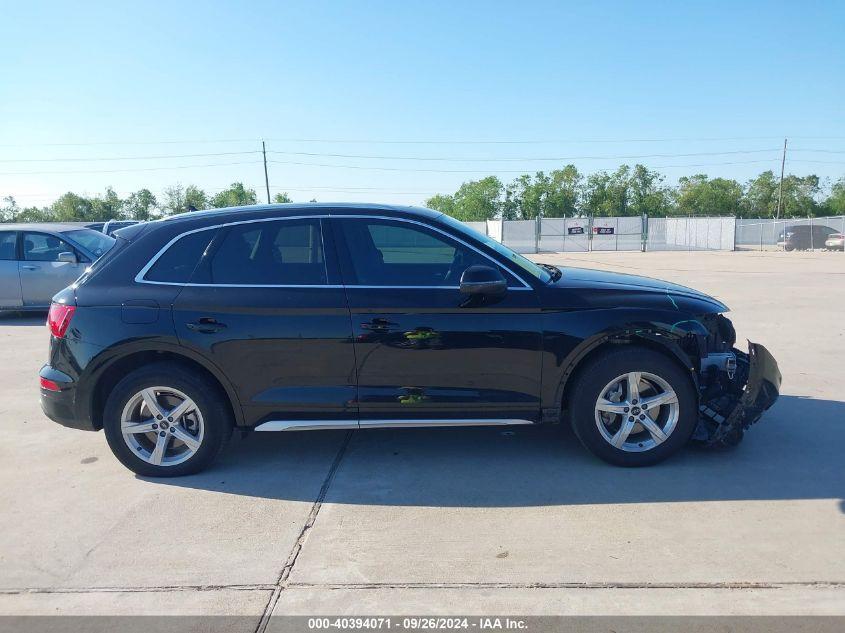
point(589, 81)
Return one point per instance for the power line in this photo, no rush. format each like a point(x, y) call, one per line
point(113, 171)
point(541, 141)
point(382, 157)
point(111, 158)
point(477, 171)
point(525, 158)
point(100, 143)
point(376, 168)
point(419, 141)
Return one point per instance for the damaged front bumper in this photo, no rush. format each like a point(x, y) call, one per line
point(729, 404)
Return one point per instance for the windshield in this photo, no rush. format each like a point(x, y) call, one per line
point(92, 241)
point(523, 262)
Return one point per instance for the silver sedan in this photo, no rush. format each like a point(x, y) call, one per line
point(38, 260)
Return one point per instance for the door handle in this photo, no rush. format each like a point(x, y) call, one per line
point(206, 325)
point(29, 267)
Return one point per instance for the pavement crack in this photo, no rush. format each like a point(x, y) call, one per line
point(287, 569)
point(143, 589)
point(569, 585)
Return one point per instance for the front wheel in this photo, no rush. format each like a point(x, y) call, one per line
point(633, 406)
point(164, 421)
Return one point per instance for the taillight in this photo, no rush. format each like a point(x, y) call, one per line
point(58, 319)
point(50, 385)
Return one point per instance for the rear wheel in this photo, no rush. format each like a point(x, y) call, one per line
point(633, 406)
point(165, 421)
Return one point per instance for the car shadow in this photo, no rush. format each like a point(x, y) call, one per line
point(17, 319)
point(793, 453)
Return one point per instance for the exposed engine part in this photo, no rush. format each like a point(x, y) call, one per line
point(730, 404)
point(722, 361)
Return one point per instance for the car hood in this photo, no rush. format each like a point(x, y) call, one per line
point(601, 288)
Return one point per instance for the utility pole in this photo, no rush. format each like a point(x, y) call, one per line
point(266, 177)
point(780, 188)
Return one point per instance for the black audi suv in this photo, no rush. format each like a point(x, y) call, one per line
point(304, 317)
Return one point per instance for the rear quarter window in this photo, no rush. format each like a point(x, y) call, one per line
point(177, 263)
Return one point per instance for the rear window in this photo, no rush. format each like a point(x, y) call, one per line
point(92, 241)
point(177, 263)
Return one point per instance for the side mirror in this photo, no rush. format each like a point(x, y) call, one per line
point(68, 257)
point(483, 280)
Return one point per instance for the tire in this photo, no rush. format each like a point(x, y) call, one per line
point(671, 423)
point(205, 428)
point(789, 248)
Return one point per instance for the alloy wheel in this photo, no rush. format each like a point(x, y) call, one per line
point(637, 411)
point(162, 426)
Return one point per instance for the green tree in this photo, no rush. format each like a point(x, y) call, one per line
point(71, 207)
point(761, 198)
point(282, 197)
point(647, 194)
point(195, 198)
point(442, 203)
point(478, 200)
point(35, 214)
point(140, 205)
point(799, 196)
point(562, 192)
point(235, 196)
point(178, 199)
point(606, 194)
point(10, 210)
point(553, 195)
point(699, 195)
point(107, 207)
point(835, 203)
point(174, 200)
point(474, 201)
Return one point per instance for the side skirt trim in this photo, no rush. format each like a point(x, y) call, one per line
point(315, 425)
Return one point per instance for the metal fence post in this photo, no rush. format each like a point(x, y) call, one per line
point(590, 234)
point(537, 229)
point(812, 237)
point(644, 232)
point(616, 232)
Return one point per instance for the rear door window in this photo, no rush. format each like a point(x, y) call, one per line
point(273, 253)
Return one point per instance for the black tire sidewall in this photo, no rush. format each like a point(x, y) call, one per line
point(215, 414)
point(609, 365)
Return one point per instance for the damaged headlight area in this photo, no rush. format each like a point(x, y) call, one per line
point(735, 387)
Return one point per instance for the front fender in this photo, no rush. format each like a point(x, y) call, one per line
point(569, 337)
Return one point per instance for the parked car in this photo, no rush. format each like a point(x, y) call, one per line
point(110, 226)
point(835, 242)
point(304, 317)
point(38, 260)
point(803, 237)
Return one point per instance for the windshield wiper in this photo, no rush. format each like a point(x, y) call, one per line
point(554, 271)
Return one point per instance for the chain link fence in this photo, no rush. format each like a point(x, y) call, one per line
point(791, 234)
point(690, 234)
point(580, 235)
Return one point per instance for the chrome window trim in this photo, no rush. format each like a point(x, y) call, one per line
point(316, 425)
point(139, 278)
